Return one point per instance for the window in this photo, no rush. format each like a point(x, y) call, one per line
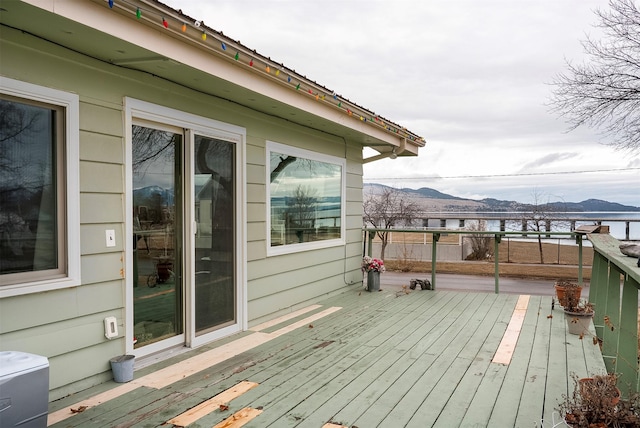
point(36, 199)
point(305, 201)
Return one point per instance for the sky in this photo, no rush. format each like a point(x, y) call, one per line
point(471, 77)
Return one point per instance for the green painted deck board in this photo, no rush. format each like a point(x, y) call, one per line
point(413, 360)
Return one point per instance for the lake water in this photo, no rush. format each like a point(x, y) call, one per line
point(615, 220)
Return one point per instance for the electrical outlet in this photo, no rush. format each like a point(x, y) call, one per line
point(110, 327)
point(111, 237)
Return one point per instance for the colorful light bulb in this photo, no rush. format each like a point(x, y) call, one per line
point(138, 13)
point(204, 36)
point(237, 57)
point(165, 24)
point(223, 46)
point(111, 4)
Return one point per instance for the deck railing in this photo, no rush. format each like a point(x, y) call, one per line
point(615, 280)
point(370, 234)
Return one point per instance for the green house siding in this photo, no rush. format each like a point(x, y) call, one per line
point(67, 325)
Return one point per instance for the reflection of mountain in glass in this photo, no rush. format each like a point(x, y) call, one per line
point(154, 203)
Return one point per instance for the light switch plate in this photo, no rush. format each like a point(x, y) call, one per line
point(111, 237)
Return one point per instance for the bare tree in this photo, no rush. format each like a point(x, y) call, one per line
point(604, 93)
point(537, 217)
point(481, 248)
point(386, 208)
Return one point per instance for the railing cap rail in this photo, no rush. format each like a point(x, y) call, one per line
point(609, 247)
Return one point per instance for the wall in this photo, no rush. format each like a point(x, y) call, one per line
point(67, 325)
point(422, 252)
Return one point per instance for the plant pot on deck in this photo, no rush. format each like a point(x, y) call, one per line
point(568, 293)
point(578, 322)
point(373, 281)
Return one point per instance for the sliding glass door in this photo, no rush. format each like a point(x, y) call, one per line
point(158, 289)
point(186, 287)
point(215, 245)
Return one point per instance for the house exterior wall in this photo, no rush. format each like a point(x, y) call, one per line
point(66, 325)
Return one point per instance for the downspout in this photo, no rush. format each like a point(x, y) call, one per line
point(392, 154)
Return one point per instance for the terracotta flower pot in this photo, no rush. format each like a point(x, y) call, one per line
point(612, 397)
point(567, 294)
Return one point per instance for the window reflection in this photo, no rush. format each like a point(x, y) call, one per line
point(30, 208)
point(305, 198)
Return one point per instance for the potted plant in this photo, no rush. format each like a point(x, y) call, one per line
point(373, 267)
point(579, 315)
point(567, 290)
point(595, 402)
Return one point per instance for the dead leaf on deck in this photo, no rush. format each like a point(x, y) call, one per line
point(79, 409)
point(310, 325)
point(224, 407)
point(549, 316)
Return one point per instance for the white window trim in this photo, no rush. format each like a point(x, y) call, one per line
point(71, 103)
point(137, 110)
point(307, 154)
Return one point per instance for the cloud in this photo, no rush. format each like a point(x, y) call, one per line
point(472, 77)
point(546, 160)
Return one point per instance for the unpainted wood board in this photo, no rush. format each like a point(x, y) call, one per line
point(305, 322)
point(510, 339)
point(284, 318)
point(213, 404)
point(240, 418)
point(330, 425)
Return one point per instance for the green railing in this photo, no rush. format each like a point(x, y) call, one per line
point(370, 233)
point(615, 280)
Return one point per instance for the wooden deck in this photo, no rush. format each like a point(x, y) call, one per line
point(362, 360)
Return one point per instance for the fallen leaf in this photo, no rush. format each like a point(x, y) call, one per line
point(549, 316)
point(310, 325)
point(79, 409)
point(224, 407)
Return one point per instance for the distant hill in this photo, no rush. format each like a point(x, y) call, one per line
point(431, 199)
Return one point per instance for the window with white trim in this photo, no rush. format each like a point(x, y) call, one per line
point(37, 144)
point(305, 199)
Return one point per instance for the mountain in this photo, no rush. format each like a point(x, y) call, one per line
point(433, 200)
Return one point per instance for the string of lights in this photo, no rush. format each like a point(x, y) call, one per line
point(233, 50)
